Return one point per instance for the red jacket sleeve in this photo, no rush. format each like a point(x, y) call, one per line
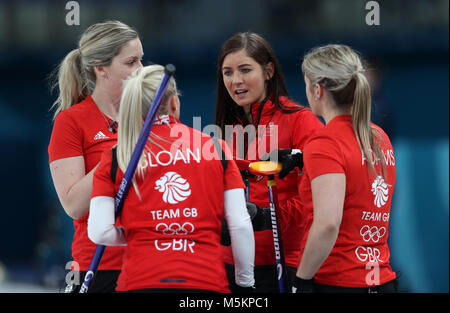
point(232, 177)
point(103, 184)
point(66, 140)
point(305, 126)
point(322, 155)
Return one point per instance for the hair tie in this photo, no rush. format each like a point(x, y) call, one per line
point(358, 71)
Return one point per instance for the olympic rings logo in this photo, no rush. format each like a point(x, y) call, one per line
point(372, 233)
point(175, 228)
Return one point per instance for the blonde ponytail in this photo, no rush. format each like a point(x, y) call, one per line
point(71, 82)
point(339, 70)
point(361, 111)
point(75, 76)
point(137, 97)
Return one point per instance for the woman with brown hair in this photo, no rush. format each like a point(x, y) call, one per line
point(252, 95)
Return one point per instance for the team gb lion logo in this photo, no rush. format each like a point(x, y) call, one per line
point(174, 188)
point(380, 191)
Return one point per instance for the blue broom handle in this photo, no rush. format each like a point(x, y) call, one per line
point(169, 70)
point(277, 237)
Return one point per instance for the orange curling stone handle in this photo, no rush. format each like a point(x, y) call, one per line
point(265, 168)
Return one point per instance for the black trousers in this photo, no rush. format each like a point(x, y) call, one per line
point(389, 287)
point(166, 290)
point(265, 278)
point(103, 282)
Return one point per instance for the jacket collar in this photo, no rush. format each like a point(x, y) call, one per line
point(261, 110)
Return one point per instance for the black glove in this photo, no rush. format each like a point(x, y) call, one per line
point(303, 285)
point(252, 209)
point(239, 289)
point(261, 218)
point(289, 158)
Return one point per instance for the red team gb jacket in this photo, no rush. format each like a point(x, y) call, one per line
point(360, 257)
point(173, 231)
point(279, 131)
point(82, 130)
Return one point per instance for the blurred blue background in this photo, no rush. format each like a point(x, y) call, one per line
point(407, 52)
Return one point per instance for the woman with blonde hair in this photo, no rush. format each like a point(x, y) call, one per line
point(172, 217)
point(89, 80)
point(349, 171)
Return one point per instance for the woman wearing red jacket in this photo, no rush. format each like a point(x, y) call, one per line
point(349, 169)
point(172, 217)
point(251, 95)
point(90, 85)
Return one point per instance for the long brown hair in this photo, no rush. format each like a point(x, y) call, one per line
point(256, 47)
